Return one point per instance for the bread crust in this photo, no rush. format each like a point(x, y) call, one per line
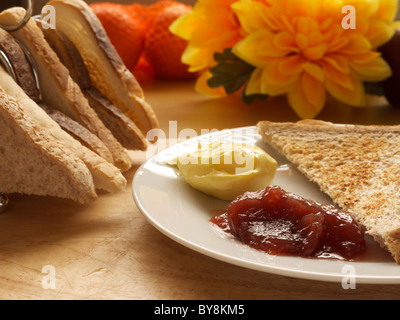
point(122, 127)
point(357, 166)
point(20, 64)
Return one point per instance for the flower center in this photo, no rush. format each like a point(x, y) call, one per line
point(308, 38)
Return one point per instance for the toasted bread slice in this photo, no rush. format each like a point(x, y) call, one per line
point(68, 54)
point(79, 132)
point(357, 166)
point(57, 87)
point(121, 126)
point(20, 65)
point(105, 175)
point(32, 162)
point(106, 69)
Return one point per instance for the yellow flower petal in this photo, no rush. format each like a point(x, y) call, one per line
point(275, 82)
point(258, 47)
point(314, 91)
point(291, 65)
point(337, 61)
point(250, 14)
point(196, 58)
point(363, 58)
point(184, 26)
point(315, 53)
point(355, 96)
point(307, 97)
point(296, 8)
point(314, 70)
point(375, 70)
point(357, 44)
point(305, 25)
point(387, 10)
point(254, 84)
point(285, 41)
point(335, 38)
point(209, 27)
point(364, 8)
point(379, 33)
point(341, 79)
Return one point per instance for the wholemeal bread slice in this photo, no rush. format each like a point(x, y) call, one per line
point(121, 126)
point(34, 163)
point(106, 69)
point(79, 132)
point(20, 65)
point(57, 87)
point(68, 54)
point(357, 166)
point(105, 175)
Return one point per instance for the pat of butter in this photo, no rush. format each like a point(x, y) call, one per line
point(226, 170)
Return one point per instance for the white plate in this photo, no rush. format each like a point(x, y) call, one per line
point(183, 214)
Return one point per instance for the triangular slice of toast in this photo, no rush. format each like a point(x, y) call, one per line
point(106, 69)
point(32, 162)
point(357, 166)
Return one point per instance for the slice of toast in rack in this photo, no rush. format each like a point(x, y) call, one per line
point(34, 163)
point(79, 132)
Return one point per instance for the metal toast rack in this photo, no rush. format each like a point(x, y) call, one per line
point(4, 200)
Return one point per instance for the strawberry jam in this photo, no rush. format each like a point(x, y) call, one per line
point(283, 223)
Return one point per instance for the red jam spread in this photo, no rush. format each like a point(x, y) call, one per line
point(283, 223)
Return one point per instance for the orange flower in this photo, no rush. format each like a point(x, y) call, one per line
point(210, 27)
point(300, 49)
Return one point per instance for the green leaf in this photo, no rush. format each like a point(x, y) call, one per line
point(226, 55)
point(249, 99)
point(231, 72)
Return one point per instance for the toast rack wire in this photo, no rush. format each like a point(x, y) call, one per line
point(4, 200)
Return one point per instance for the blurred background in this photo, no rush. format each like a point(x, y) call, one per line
point(40, 3)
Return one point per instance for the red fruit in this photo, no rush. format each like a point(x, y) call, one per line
point(124, 27)
point(162, 49)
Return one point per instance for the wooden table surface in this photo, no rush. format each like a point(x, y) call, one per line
point(107, 250)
